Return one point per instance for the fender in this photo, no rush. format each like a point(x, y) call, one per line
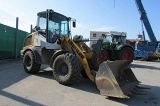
point(36, 54)
point(59, 52)
point(120, 47)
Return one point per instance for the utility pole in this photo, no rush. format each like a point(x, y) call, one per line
point(31, 29)
point(16, 38)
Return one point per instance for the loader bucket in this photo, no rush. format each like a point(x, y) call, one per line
point(116, 79)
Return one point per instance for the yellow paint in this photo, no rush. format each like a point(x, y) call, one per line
point(71, 45)
point(32, 41)
point(33, 37)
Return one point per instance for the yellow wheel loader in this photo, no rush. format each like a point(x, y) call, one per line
point(51, 44)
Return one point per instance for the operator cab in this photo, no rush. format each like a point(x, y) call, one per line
point(112, 38)
point(51, 24)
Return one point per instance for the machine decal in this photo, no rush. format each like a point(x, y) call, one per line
point(75, 48)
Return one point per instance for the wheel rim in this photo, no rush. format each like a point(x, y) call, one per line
point(103, 56)
point(62, 69)
point(27, 61)
point(127, 55)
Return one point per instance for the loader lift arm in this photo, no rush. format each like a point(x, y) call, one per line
point(112, 78)
point(86, 58)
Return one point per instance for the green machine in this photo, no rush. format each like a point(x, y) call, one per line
point(115, 48)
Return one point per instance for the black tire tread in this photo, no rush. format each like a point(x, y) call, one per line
point(72, 62)
point(35, 67)
point(106, 52)
point(126, 48)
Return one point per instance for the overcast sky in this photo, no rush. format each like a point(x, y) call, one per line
point(90, 15)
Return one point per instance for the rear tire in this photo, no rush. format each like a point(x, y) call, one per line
point(29, 63)
point(126, 54)
point(66, 69)
point(103, 56)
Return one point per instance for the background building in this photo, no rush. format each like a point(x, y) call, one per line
point(95, 35)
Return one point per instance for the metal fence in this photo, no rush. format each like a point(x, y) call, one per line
point(12, 34)
point(11, 41)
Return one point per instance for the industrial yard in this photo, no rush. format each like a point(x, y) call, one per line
point(58, 53)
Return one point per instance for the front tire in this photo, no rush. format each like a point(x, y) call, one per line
point(66, 69)
point(83, 73)
point(29, 63)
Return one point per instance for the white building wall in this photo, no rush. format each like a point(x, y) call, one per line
point(95, 35)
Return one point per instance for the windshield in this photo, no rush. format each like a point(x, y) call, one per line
point(58, 25)
point(107, 39)
point(114, 38)
point(58, 22)
point(117, 38)
point(54, 24)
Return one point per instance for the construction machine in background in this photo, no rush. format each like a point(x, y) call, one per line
point(114, 47)
point(51, 44)
point(146, 50)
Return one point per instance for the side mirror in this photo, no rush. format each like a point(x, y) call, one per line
point(74, 24)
